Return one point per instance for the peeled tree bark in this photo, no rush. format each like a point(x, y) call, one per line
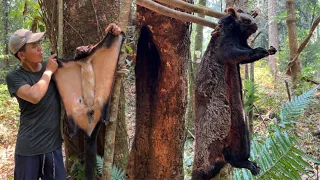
point(161, 63)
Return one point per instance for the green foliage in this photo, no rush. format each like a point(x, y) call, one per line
point(250, 97)
point(278, 155)
point(77, 169)
point(99, 165)
point(296, 107)
point(188, 158)
point(117, 173)
point(8, 105)
point(9, 114)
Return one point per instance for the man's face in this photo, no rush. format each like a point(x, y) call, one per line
point(32, 53)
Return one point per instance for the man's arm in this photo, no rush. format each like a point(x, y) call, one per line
point(36, 92)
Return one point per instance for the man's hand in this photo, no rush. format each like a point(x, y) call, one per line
point(52, 64)
point(36, 92)
point(115, 29)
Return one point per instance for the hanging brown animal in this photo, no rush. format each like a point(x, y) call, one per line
point(85, 84)
point(221, 131)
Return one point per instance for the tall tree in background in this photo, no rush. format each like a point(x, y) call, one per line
point(273, 34)
point(198, 36)
point(295, 69)
point(5, 7)
point(192, 70)
point(241, 4)
point(161, 64)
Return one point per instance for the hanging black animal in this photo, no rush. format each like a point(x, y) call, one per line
point(85, 84)
point(221, 131)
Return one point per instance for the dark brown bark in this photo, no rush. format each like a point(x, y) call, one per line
point(162, 55)
point(50, 18)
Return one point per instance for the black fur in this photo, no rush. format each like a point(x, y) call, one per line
point(227, 49)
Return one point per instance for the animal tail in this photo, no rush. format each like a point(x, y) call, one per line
point(91, 152)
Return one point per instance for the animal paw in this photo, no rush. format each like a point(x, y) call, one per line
point(254, 169)
point(272, 50)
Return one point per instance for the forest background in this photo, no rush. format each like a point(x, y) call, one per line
point(267, 85)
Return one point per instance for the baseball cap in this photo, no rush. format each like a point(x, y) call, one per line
point(21, 37)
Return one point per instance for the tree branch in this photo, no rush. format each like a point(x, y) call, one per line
point(304, 44)
point(158, 8)
point(193, 8)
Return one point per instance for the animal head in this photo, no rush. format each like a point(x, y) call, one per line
point(238, 23)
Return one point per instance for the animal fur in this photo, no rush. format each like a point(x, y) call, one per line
point(221, 131)
point(85, 84)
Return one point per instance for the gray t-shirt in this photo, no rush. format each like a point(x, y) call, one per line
point(39, 130)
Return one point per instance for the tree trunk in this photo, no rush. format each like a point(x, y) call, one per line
point(250, 114)
point(273, 35)
point(192, 70)
point(84, 23)
point(111, 129)
point(293, 42)
point(241, 4)
point(198, 36)
point(121, 149)
point(5, 32)
point(161, 64)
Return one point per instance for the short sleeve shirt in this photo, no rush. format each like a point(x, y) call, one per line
point(39, 130)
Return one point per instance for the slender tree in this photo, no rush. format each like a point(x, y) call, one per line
point(192, 70)
point(295, 68)
point(5, 7)
point(273, 34)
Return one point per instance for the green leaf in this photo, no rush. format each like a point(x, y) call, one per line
point(129, 49)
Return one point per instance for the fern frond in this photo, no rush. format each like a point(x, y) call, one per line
point(297, 105)
point(117, 173)
point(278, 157)
point(99, 163)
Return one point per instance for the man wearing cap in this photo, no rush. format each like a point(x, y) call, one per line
point(38, 147)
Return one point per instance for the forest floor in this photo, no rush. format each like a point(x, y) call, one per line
point(9, 127)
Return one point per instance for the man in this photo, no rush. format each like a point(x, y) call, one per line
point(38, 148)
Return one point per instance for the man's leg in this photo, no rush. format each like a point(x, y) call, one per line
point(26, 167)
point(53, 166)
